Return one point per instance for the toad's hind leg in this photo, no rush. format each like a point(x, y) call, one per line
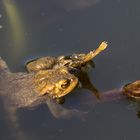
point(86, 84)
point(38, 64)
point(12, 120)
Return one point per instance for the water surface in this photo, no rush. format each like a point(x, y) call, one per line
point(29, 29)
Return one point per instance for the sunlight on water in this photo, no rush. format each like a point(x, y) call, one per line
point(16, 24)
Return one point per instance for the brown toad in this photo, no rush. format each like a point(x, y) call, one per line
point(73, 61)
point(27, 90)
point(76, 64)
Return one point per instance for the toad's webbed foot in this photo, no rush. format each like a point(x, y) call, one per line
point(59, 111)
point(79, 60)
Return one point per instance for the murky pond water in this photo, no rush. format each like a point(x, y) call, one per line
point(29, 29)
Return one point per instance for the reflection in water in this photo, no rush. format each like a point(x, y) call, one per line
point(75, 4)
point(13, 124)
point(17, 31)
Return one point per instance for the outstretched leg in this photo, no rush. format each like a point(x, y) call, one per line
point(86, 84)
point(58, 111)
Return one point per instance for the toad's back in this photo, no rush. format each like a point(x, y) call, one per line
point(31, 89)
point(17, 89)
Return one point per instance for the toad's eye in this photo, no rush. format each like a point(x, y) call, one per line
point(64, 83)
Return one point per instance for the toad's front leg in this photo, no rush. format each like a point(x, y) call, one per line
point(58, 111)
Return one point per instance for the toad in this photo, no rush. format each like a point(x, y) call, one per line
point(73, 61)
point(77, 64)
point(27, 90)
